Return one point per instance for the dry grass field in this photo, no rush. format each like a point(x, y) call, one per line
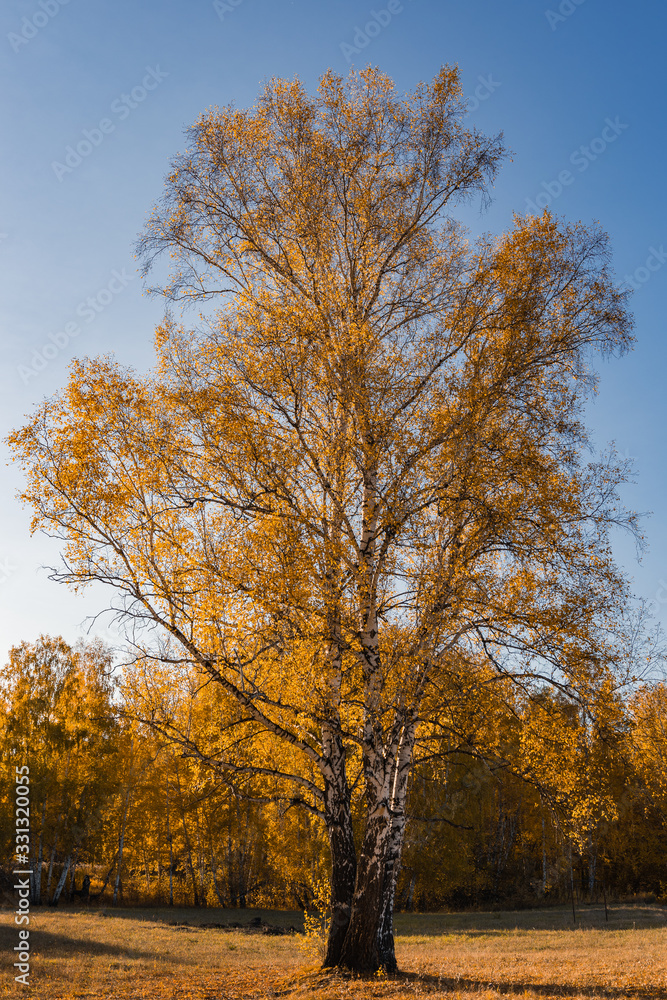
point(132, 954)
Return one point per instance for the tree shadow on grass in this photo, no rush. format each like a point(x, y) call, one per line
point(237, 919)
point(446, 983)
point(554, 919)
point(59, 945)
point(508, 932)
point(426, 983)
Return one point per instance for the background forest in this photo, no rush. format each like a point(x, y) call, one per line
point(510, 804)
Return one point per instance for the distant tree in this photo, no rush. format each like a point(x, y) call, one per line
point(648, 739)
point(574, 754)
point(57, 716)
point(364, 475)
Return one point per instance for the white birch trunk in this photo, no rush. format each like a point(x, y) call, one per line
point(171, 853)
point(61, 881)
point(402, 771)
point(121, 844)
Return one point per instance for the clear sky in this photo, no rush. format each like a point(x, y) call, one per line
point(96, 96)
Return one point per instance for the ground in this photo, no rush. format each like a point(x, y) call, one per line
point(133, 954)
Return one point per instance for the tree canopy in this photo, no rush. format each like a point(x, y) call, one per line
point(361, 483)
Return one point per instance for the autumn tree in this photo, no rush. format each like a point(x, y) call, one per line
point(364, 473)
point(574, 754)
point(648, 739)
point(57, 716)
point(227, 800)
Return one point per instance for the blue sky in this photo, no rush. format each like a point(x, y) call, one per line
point(577, 87)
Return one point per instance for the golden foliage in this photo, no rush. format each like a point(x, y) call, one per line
point(362, 478)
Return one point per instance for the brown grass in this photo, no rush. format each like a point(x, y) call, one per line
point(532, 954)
